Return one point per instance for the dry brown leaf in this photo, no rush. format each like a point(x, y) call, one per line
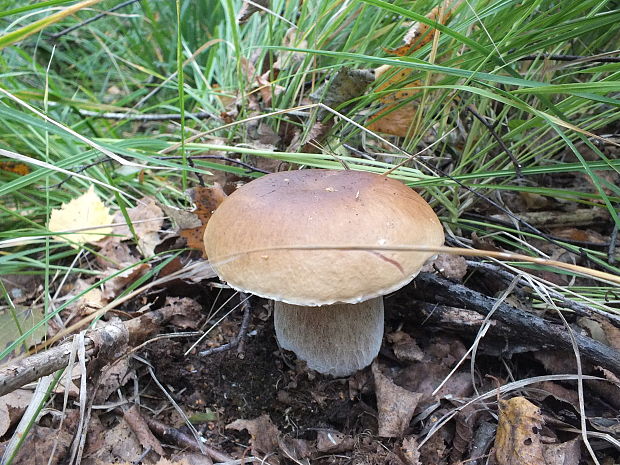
point(114, 253)
point(450, 266)
point(206, 199)
point(141, 430)
point(13, 167)
point(12, 405)
point(264, 434)
point(420, 34)
point(113, 287)
point(394, 403)
point(248, 9)
point(147, 219)
point(394, 121)
point(115, 444)
point(311, 141)
point(564, 453)
point(518, 433)
point(85, 211)
point(113, 377)
point(424, 376)
point(334, 442)
point(346, 85)
point(405, 347)
point(39, 444)
point(410, 452)
point(188, 312)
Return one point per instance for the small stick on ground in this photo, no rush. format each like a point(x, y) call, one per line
point(21, 372)
point(239, 340)
point(500, 142)
point(147, 117)
point(93, 19)
point(179, 438)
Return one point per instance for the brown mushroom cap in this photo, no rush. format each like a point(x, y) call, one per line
point(320, 208)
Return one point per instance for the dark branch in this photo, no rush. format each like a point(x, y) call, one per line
point(91, 20)
point(498, 139)
point(549, 56)
point(432, 288)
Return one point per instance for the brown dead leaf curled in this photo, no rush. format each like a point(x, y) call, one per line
point(118, 443)
point(141, 430)
point(563, 453)
point(394, 120)
point(12, 405)
point(264, 434)
point(292, 39)
point(334, 442)
point(405, 347)
point(346, 85)
point(206, 199)
point(420, 34)
point(86, 213)
point(147, 219)
point(248, 9)
point(450, 266)
point(395, 404)
point(518, 433)
point(113, 287)
point(396, 117)
point(41, 441)
point(409, 451)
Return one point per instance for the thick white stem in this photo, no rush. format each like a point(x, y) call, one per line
point(334, 339)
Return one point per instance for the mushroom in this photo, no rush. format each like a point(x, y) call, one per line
point(317, 243)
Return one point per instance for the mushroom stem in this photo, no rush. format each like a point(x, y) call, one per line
point(336, 339)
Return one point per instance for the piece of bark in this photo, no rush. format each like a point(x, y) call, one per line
point(19, 373)
point(530, 327)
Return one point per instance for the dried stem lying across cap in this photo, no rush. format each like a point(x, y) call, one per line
point(322, 207)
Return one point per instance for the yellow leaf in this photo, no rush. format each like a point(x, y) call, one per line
point(83, 216)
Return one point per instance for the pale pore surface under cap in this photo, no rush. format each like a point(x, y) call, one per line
point(335, 339)
point(320, 208)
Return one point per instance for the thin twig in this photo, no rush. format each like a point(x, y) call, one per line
point(146, 116)
point(182, 440)
point(247, 166)
point(613, 239)
point(91, 20)
point(550, 56)
point(239, 339)
point(498, 139)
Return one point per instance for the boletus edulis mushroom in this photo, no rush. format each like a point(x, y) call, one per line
point(279, 237)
